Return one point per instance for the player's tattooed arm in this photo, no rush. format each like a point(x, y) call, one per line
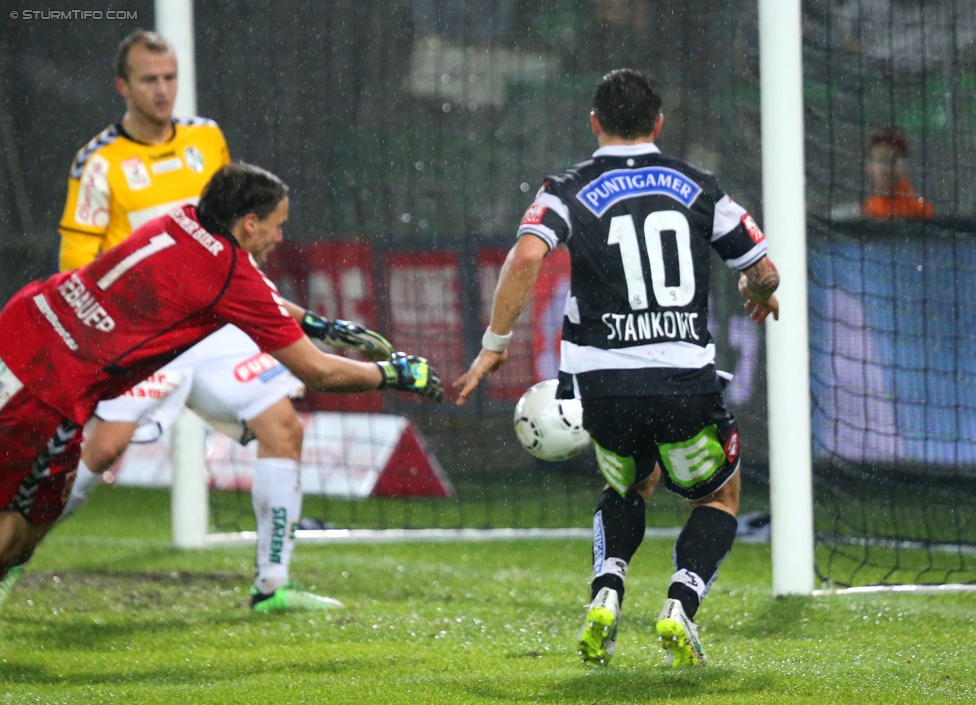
point(757, 285)
point(762, 279)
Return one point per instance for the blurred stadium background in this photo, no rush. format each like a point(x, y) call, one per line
point(414, 134)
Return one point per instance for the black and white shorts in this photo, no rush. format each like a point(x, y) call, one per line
point(694, 438)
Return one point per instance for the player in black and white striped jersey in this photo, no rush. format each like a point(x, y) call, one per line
point(640, 227)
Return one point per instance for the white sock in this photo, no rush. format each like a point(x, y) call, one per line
point(277, 497)
point(85, 483)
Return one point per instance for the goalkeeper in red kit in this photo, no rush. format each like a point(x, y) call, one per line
point(78, 337)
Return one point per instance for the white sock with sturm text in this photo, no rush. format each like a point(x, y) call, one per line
point(276, 494)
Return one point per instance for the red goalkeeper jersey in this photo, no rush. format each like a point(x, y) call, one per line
point(91, 334)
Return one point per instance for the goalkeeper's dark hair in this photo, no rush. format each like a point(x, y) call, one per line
point(627, 103)
point(238, 189)
point(152, 41)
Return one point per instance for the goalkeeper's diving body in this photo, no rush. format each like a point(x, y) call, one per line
point(90, 334)
point(635, 349)
point(135, 170)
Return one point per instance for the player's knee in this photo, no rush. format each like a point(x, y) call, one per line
point(631, 505)
point(282, 437)
point(725, 499)
point(645, 488)
point(101, 451)
point(293, 434)
point(626, 514)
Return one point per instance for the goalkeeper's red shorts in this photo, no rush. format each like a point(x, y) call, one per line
point(39, 453)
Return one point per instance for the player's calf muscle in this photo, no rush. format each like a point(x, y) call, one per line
point(18, 539)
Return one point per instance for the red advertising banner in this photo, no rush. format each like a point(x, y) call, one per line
point(548, 304)
point(339, 284)
point(424, 295)
point(340, 281)
point(335, 280)
point(517, 374)
point(287, 267)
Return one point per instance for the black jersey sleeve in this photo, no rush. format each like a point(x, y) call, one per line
point(735, 236)
point(547, 217)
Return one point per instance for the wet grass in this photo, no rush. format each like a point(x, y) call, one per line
point(110, 613)
point(498, 500)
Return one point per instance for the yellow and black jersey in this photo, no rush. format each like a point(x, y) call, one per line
point(117, 183)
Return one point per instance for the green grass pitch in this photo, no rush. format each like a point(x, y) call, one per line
point(109, 612)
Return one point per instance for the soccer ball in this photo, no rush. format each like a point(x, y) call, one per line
point(550, 428)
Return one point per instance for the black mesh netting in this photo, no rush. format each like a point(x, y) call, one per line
point(889, 95)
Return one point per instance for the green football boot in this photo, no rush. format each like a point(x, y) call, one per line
point(597, 639)
point(291, 597)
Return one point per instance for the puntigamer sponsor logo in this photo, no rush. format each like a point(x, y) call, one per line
point(614, 186)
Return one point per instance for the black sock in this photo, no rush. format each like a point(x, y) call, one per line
point(704, 543)
point(618, 529)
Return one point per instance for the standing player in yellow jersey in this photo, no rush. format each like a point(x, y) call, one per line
point(142, 166)
point(135, 170)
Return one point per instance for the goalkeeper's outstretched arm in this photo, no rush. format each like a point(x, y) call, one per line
point(342, 335)
point(331, 373)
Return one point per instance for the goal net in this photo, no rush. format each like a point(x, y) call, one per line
point(433, 154)
point(891, 163)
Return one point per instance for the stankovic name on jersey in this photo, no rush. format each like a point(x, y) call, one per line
point(651, 326)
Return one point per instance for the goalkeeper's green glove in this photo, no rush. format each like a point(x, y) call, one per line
point(346, 334)
point(409, 373)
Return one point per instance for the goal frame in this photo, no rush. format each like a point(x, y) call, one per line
point(787, 350)
point(787, 340)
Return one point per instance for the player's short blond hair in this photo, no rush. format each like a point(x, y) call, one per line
point(151, 40)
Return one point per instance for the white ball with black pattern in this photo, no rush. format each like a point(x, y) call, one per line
point(549, 428)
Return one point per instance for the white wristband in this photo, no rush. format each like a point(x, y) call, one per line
point(494, 342)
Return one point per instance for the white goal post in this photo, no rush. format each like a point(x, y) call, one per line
point(787, 340)
point(190, 515)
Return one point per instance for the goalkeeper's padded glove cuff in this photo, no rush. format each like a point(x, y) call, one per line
point(346, 335)
point(314, 326)
point(390, 375)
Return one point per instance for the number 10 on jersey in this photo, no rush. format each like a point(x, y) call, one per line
point(623, 233)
